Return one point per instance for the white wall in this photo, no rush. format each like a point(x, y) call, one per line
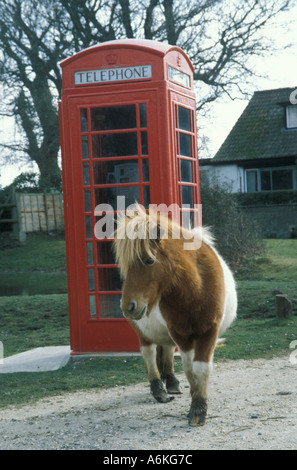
point(232, 175)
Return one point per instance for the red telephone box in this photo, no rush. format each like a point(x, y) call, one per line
point(128, 127)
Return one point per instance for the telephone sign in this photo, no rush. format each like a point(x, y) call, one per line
point(113, 75)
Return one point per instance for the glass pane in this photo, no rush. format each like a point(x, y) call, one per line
point(146, 196)
point(142, 112)
point(114, 145)
point(91, 281)
point(186, 171)
point(265, 180)
point(92, 303)
point(184, 118)
point(185, 145)
point(86, 174)
point(145, 170)
point(115, 117)
point(87, 201)
point(144, 148)
point(113, 172)
point(85, 146)
point(109, 306)
point(282, 179)
point(109, 195)
point(105, 253)
point(90, 253)
point(89, 226)
point(83, 120)
point(187, 195)
point(251, 181)
point(109, 279)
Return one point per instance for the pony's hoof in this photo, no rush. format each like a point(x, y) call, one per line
point(172, 385)
point(198, 412)
point(158, 391)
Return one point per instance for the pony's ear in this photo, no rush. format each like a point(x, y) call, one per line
point(157, 234)
point(154, 231)
point(160, 232)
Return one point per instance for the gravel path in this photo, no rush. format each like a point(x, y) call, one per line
point(252, 405)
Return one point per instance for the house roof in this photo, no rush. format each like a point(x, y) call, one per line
point(260, 131)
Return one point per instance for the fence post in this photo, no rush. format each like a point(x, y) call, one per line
point(283, 306)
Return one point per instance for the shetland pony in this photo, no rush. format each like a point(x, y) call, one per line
point(174, 297)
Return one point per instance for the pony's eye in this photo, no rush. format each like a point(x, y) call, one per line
point(149, 261)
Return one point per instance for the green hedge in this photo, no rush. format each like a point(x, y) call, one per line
point(266, 198)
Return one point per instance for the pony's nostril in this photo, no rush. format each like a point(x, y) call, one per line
point(132, 306)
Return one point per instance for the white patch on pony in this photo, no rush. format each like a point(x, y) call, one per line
point(149, 354)
point(187, 359)
point(197, 373)
point(230, 306)
point(201, 369)
point(201, 372)
point(154, 327)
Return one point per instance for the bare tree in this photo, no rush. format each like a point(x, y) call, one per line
point(29, 71)
point(218, 35)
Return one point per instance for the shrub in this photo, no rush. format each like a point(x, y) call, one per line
point(237, 237)
point(264, 198)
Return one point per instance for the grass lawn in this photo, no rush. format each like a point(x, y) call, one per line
point(27, 322)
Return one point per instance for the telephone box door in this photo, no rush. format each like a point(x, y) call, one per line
point(112, 156)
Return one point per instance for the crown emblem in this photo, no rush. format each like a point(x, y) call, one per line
point(111, 59)
point(178, 60)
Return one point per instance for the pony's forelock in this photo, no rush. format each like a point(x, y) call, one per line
point(133, 239)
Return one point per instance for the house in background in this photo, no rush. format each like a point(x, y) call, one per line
point(259, 158)
point(260, 153)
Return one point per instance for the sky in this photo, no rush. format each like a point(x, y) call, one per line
point(279, 70)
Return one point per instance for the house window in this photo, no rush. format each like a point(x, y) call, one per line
point(265, 177)
point(270, 179)
point(282, 179)
point(252, 181)
point(291, 116)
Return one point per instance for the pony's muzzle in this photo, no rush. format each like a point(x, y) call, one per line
point(133, 311)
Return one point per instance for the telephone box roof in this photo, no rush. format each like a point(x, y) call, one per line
point(154, 47)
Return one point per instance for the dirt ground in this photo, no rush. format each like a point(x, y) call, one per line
point(252, 405)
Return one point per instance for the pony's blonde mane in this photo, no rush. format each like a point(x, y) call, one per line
point(133, 241)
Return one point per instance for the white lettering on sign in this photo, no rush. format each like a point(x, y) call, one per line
point(136, 72)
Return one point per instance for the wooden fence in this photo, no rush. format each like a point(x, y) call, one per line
point(40, 212)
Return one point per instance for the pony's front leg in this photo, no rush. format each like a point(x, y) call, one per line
point(198, 410)
point(165, 363)
point(197, 364)
point(149, 354)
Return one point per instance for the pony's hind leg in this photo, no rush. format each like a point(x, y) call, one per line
point(149, 354)
point(165, 363)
